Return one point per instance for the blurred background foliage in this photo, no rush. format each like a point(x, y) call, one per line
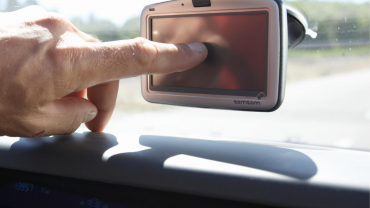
point(341, 26)
point(338, 24)
point(342, 43)
point(103, 29)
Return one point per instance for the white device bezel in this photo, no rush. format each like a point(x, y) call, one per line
point(185, 7)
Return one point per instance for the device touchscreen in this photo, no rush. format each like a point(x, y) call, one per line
point(237, 44)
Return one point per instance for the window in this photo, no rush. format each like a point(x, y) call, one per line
point(327, 96)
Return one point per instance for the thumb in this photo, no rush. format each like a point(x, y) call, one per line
point(64, 116)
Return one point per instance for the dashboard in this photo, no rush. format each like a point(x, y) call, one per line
point(132, 170)
point(25, 189)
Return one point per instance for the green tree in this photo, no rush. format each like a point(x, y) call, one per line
point(105, 30)
point(133, 24)
point(337, 24)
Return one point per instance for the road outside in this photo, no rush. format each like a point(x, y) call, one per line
point(325, 111)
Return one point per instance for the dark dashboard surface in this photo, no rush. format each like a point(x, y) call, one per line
point(19, 189)
point(128, 168)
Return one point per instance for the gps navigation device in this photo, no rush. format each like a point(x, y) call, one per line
point(247, 42)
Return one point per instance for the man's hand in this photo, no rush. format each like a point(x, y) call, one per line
point(47, 66)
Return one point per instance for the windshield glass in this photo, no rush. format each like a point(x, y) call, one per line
point(327, 94)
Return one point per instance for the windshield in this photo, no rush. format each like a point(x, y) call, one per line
point(327, 94)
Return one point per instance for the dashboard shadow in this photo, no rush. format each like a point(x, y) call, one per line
point(80, 155)
point(274, 159)
point(63, 154)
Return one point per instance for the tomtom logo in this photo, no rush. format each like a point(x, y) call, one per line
point(242, 102)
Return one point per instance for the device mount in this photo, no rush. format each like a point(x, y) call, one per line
point(297, 23)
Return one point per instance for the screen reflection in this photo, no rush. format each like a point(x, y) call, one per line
point(237, 46)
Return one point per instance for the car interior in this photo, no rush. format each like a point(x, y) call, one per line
point(313, 152)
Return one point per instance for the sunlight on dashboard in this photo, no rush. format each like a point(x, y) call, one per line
point(130, 144)
point(7, 142)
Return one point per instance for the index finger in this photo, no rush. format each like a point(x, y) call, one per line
point(102, 62)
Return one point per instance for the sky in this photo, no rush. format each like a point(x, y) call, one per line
point(118, 11)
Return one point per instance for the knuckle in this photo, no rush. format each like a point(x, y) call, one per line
point(147, 53)
point(53, 20)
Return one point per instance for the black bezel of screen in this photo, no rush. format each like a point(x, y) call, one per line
point(209, 90)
